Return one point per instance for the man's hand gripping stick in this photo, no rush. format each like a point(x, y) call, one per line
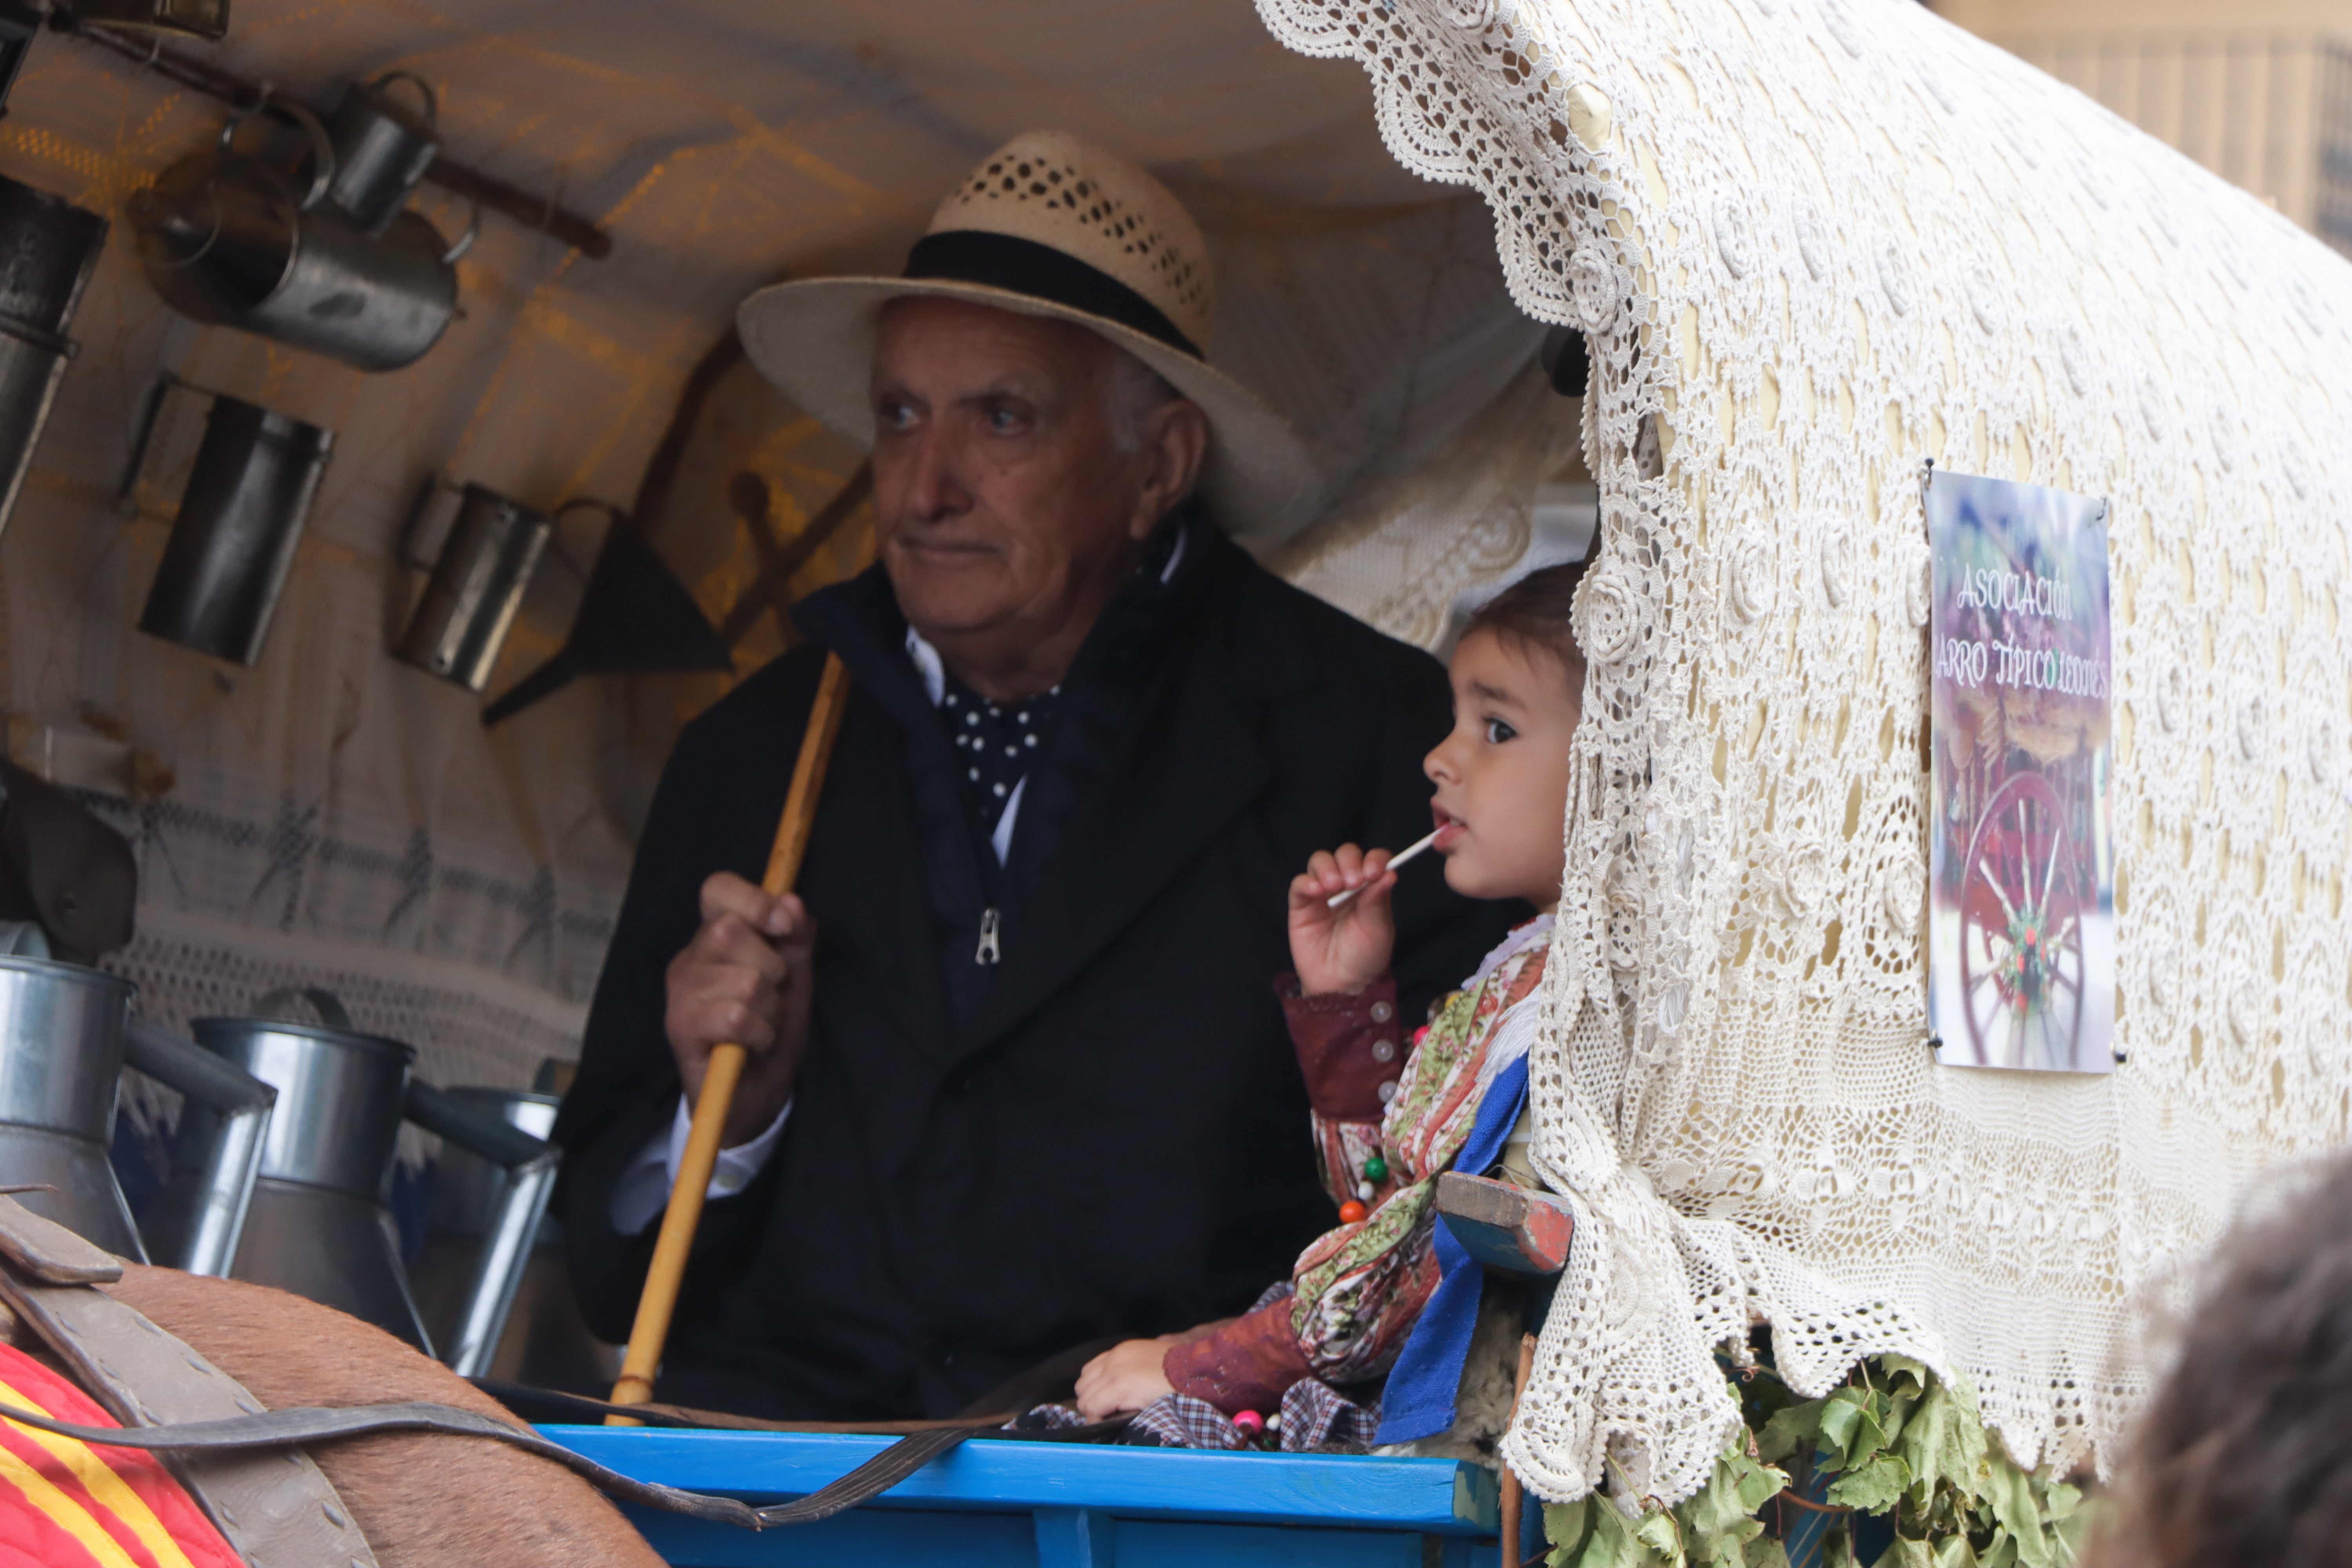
point(651, 1329)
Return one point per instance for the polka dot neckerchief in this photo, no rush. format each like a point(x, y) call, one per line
point(996, 742)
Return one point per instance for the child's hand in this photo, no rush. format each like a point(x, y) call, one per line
point(1347, 948)
point(1127, 1376)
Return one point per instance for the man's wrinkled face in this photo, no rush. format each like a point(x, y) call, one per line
point(1000, 499)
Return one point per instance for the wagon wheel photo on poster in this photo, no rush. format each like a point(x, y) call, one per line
point(2020, 957)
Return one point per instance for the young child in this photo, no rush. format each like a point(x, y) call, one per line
point(1384, 1129)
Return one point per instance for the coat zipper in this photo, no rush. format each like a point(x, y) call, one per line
point(989, 951)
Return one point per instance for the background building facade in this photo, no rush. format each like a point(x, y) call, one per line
point(2260, 92)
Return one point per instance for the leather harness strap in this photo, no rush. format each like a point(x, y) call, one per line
point(244, 1465)
point(275, 1429)
point(538, 1404)
point(277, 1511)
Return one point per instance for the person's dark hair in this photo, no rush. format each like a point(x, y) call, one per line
point(2245, 1454)
point(1535, 612)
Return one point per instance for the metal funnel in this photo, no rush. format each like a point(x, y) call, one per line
point(636, 619)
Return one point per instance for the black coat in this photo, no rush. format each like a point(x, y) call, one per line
point(1113, 1139)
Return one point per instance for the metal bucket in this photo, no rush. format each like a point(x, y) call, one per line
point(226, 239)
point(476, 586)
point(48, 248)
point(318, 1224)
point(239, 521)
point(382, 149)
point(62, 1035)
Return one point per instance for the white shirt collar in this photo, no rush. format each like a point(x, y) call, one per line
point(928, 665)
point(1175, 558)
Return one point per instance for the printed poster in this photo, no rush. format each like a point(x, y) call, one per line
point(2020, 893)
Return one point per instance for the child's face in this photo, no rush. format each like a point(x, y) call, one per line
point(1502, 775)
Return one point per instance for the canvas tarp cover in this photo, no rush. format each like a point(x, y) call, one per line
point(334, 818)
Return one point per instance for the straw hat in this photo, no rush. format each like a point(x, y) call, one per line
point(1051, 225)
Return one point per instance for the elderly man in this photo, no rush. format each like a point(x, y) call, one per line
point(1019, 1078)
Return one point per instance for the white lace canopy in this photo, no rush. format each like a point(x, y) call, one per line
point(1814, 243)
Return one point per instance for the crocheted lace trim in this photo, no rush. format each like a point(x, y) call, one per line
point(1813, 243)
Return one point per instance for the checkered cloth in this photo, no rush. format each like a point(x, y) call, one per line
point(1314, 1419)
point(1181, 1421)
point(1046, 1419)
point(1317, 1418)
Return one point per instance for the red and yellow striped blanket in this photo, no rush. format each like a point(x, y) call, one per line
point(66, 1504)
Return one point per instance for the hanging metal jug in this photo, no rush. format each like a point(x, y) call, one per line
point(318, 1224)
point(48, 247)
point(239, 521)
point(65, 1037)
point(478, 583)
point(235, 240)
point(635, 617)
point(382, 149)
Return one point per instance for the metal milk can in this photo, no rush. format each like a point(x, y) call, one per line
point(233, 240)
point(60, 1064)
point(319, 1225)
point(65, 1038)
point(240, 518)
point(48, 248)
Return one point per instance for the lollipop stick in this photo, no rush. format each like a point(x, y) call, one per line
point(1402, 856)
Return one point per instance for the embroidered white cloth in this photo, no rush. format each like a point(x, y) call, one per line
point(1813, 243)
point(1523, 1024)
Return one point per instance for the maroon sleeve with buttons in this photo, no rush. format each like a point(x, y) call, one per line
point(1350, 1047)
point(1351, 1050)
point(1248, 1365)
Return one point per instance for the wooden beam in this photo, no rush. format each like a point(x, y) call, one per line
point(1504, 1227)
point(458, 179)
point(769, 588)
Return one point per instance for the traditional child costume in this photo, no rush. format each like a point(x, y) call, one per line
point(1384, 1134)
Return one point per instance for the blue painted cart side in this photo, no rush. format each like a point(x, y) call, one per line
point(991, 1504)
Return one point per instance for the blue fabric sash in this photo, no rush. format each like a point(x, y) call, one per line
point(1420, 1398)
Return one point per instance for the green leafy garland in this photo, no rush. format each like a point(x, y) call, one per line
point(1899, 1443)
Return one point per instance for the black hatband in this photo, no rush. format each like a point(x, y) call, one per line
point(1042, 272)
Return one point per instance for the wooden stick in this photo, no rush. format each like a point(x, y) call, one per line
point(651, 1329)
point(1509, 1499)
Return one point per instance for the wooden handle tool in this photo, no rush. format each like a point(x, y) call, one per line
point(1510, 1501)
point(647, 1335)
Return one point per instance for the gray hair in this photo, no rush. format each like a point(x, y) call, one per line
point(1135, 390)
